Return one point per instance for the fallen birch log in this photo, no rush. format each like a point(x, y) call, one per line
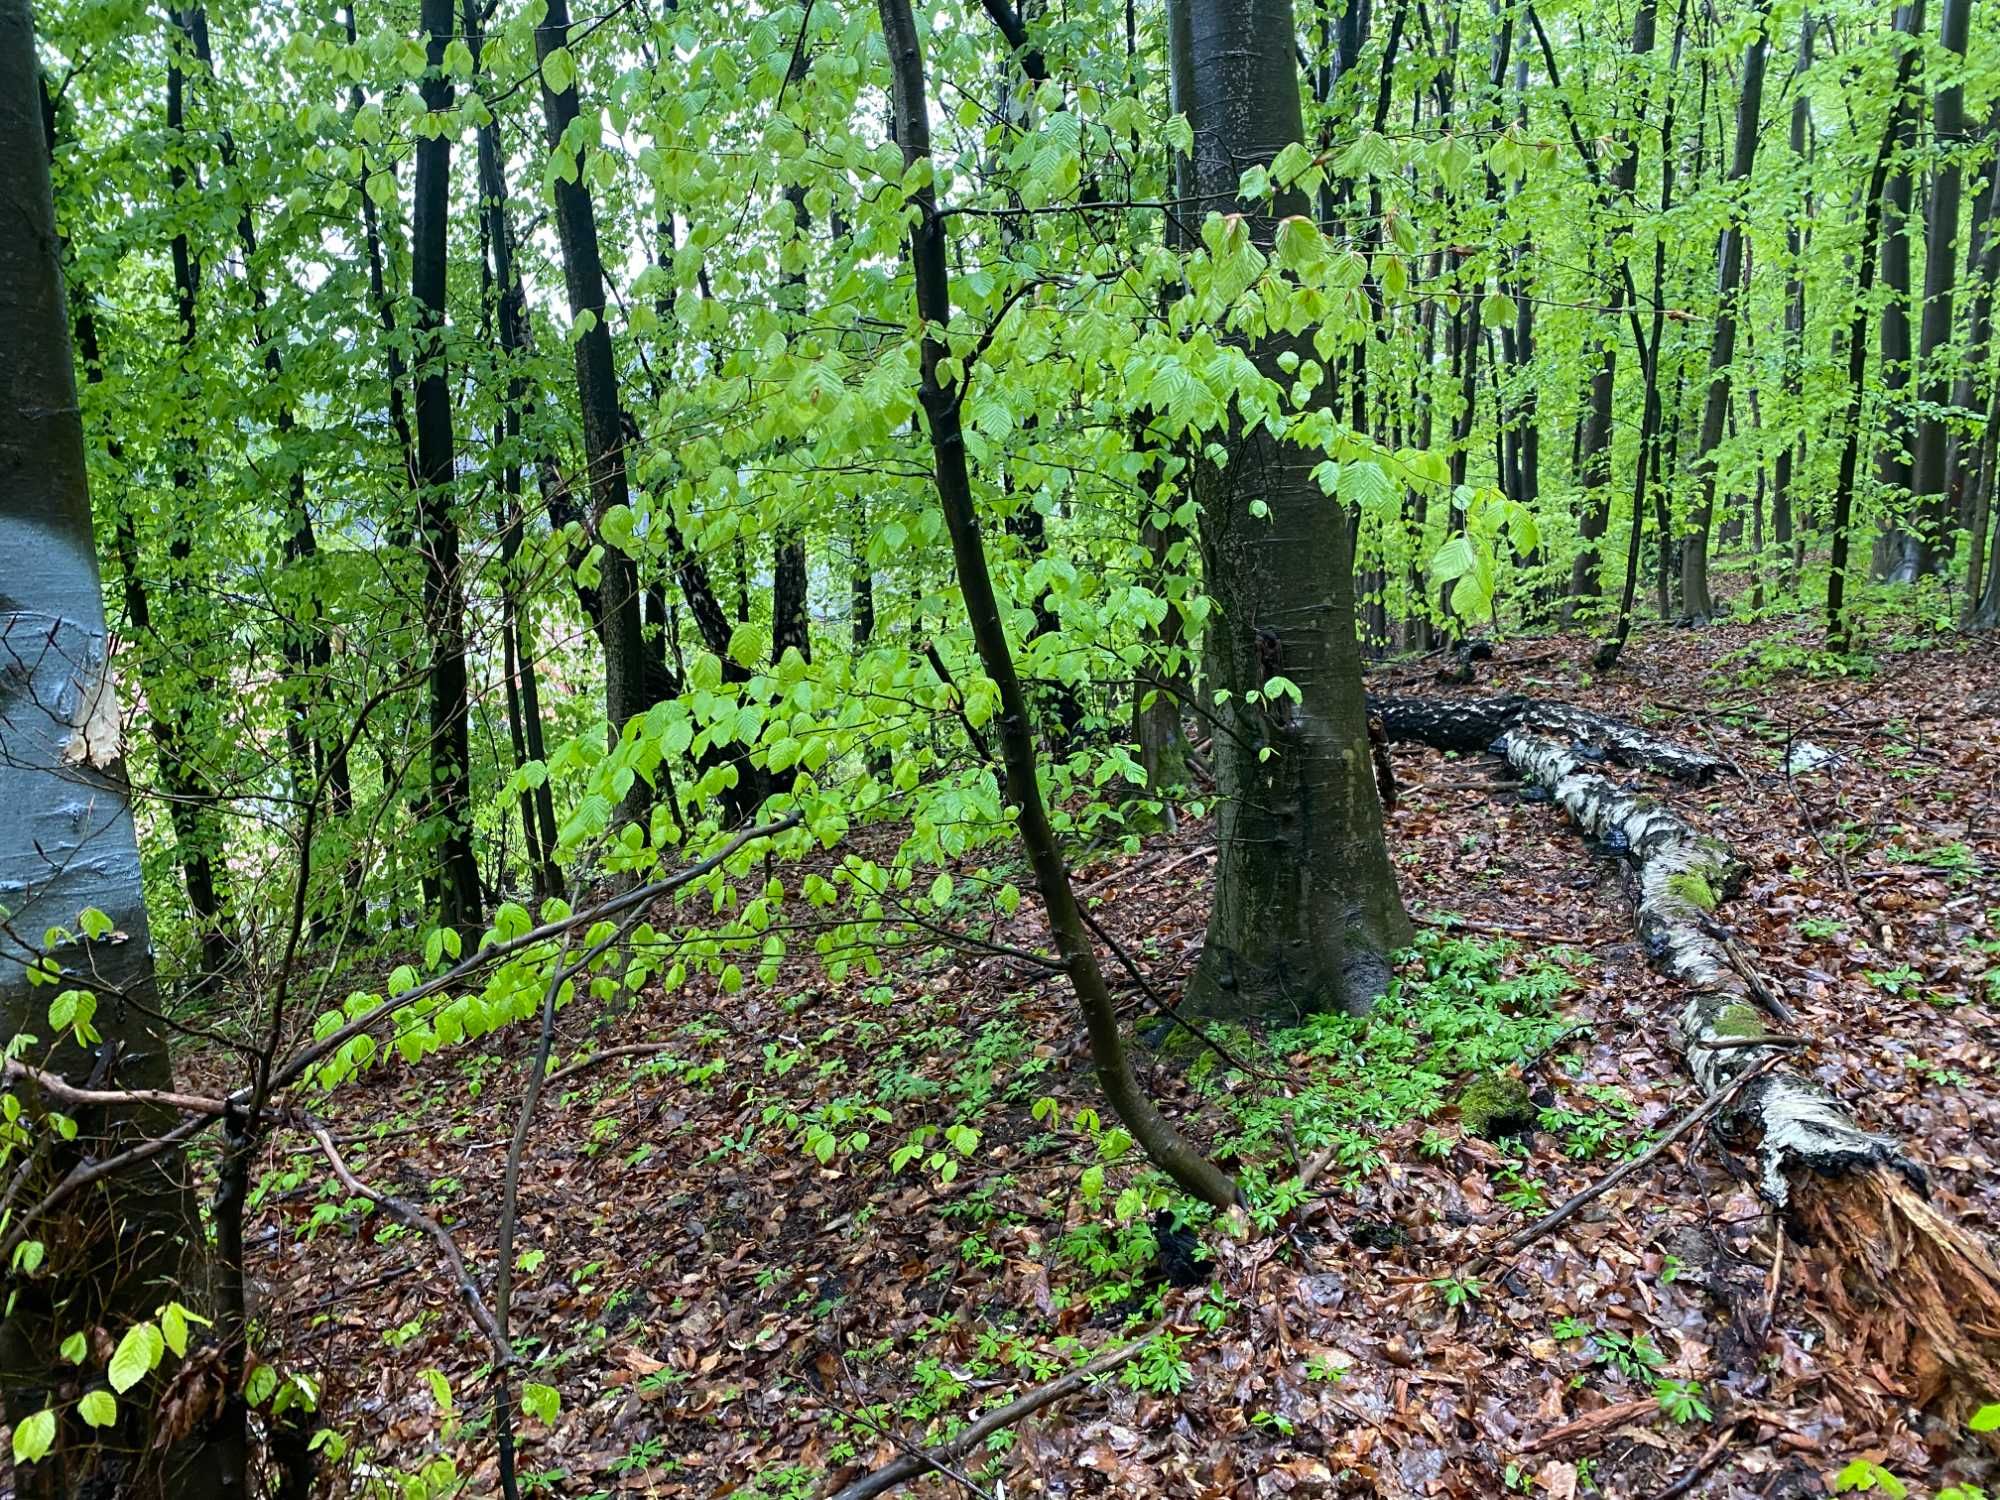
point(1470, 725)
point(1921, 1292)
point(1921, 1289)
point(1682, 876)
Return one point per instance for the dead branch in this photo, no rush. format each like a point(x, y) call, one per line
point(1518, 1241)
point(1449, 923)
point(65, 1092)
point(910, 1466)
point(1595, 1423)
point(411, 1217)
point(584, 1064)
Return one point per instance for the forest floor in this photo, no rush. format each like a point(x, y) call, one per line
point(723, 1314)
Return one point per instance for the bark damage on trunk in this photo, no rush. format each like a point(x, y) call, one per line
point(1920, 1291)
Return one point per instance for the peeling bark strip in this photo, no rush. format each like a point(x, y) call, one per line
point(1473, 724)
point(1922, 1291)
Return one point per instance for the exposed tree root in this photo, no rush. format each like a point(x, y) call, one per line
point(1921, 1291)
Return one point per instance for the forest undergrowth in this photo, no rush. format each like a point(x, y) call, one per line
point(824, 1221)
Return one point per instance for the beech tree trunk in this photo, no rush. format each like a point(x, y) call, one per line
point(1162, 686)
point(791, 621)
point(1594, 460)
point(1306, 908)
point(313, 734)
point(1792, 378)
point(1895, 552)
point(597, 393)
point(1872, 209)
point(172, 652)
point(510, 306)
point(1964, 471)
point(459, 901)
point(67, 843)
point(378, 292)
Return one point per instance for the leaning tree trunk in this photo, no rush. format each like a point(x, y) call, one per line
point(66, 846)
point(459, 902)
point(1306, 908)
point(941, 403)
point(1696, 599)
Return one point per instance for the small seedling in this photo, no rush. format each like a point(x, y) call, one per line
point(1681, 1401)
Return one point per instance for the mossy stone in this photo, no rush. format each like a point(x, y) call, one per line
point(1496, 1105)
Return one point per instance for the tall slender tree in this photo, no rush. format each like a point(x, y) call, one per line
point(171, 657)
point(571, 137)
point(942, 398)
point(510, 314)
point(1982, 270)
point(1928, 468)
point(1895, 551)
point(1874, 209)
point(449, 749)
point(1792, 375)
point(1594, 462)
point(1696, 599)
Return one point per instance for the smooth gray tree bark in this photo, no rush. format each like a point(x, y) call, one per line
point(1306, 908)
point(67, 845)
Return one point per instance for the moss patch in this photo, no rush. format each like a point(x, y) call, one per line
point(1495, 1105)
point(1737, 1020)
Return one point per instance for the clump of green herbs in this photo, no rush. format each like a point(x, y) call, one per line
point(1460, 1006)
